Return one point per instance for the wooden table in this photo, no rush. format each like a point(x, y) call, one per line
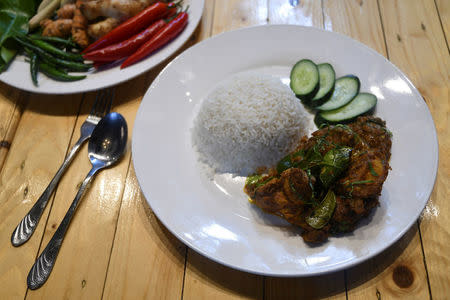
point(117, 248)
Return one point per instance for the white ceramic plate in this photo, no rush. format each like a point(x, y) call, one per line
point(18, 73)
point(214, 217)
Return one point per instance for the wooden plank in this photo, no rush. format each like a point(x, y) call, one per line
point(9, 96)
point(396, 273)
point(38, 148)
point(358, 19)
point(361, 20)
point(329, 286)
point(82, 262)
point(234, 14)
point(307, 13)
point(146, 261)
point(443, 7)
point(11, 107)
point(416, 44)
point(207, 21)
point(206, 279)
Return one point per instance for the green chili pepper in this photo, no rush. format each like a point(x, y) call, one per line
point(34, 68)
point(54, 40)
point(55, 51)
point(49, 59)
point(69, 65)
point(323, 213)
point(335, 162)
point(33, 65)
point(57, 74)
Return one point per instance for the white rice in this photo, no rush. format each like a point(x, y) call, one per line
point(247, 122)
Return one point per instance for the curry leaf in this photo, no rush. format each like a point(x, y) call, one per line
point(335, 162)
point(323, 213)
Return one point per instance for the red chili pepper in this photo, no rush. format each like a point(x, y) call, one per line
point(98, 64)
point(125, 48)
point(166, 34)
point(133, 25)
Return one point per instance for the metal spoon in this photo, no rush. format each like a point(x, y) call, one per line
point(106, 146)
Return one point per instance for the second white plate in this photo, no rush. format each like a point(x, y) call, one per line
point(18, 73)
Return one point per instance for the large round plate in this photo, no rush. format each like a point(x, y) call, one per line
point(213, 217)
point(18, 73)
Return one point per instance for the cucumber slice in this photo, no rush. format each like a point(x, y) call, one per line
point(327, 76)
point(345, 89)
point(361, 104)
point(304, 79)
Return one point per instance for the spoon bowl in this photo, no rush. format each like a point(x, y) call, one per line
point(108, 140)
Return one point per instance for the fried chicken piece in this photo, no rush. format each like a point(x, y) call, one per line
point(58, 28)
point(270, 196)
point(117, 9)
point(66, 11)
point(374, 133)
point(365, 176)
point(79, 28)
point(333, 135)
point(284, 196)
point(296, 185)
point(369, 162)
point(316, 235)
point(101, 28)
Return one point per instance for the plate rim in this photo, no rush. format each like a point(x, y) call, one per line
point(327, 270)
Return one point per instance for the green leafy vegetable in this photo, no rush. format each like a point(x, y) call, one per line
point(289, 161)
point(323, 213)
point(335, 161)
point(257, 180)
point(352, 184)
point(14, 16)
point(361, 182)
point(372, 171)
point(253, 179)
point(312, 157)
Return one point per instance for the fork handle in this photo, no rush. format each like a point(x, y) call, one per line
point(43, 266)
point(28, 224)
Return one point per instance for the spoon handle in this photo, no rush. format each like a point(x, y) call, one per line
point(43, 266)
point(28, 224)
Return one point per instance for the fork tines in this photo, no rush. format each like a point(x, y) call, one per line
point(103, 102)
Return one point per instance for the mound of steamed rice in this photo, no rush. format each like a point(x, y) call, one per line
point(247, 122)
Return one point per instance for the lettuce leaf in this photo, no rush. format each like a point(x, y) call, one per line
point(14, 16)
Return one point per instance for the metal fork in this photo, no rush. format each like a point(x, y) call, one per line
point(26, 227)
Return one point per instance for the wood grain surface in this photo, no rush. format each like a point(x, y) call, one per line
point(24, 177)
point(116, 248)
point(416, 44)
